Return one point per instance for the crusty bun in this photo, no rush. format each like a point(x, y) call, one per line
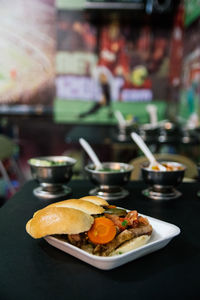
point(85, 206)
point(131, 245)
point(95, 200)
point(58, 220)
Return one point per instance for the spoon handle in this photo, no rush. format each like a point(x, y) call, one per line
point(120, 118)
point(139, 141)
point(90, 152)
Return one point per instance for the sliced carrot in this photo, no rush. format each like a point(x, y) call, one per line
point(102, 231)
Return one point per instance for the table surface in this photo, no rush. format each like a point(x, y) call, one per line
point(32, 269)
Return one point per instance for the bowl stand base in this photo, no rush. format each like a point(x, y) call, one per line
point(118, 193)
point(42, 193)
point(159, 195)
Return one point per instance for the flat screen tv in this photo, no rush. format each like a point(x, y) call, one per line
point(107, 61)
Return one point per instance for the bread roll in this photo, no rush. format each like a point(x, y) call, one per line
point(95, 200)
point(58, 220)
point(85, 206)
point(131, 245)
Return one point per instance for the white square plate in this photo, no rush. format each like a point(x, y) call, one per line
point(162, 234)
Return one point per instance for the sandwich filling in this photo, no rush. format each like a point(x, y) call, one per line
point(110, 231)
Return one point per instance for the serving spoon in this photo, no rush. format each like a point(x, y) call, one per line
point(86, 146)
point(141, 144)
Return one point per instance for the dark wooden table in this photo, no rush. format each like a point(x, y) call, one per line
point(32, 269)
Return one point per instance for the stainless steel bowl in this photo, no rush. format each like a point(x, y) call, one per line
point(52, 178)
point(162, 183)
point(164, 178)
point(118, 177)
point(109, 183)
point(52, 174)
point(149, 133)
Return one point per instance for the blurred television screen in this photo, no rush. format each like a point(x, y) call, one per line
point(108, 58)
point(27, 53)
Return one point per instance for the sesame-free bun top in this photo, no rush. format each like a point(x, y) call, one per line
point(58, 220)
point(95, 200)
point(85, 206)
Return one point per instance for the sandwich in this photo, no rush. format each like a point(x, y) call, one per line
point(91, 224)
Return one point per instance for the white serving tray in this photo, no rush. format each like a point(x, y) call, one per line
point(162, 234)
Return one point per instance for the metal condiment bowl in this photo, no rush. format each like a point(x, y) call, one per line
point(109, 184)
point(164, 178)
point(162, 183)
point(119, 177)
point(55, 174)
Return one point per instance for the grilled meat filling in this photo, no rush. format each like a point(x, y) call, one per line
point(129, 227)
point(124, 236)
